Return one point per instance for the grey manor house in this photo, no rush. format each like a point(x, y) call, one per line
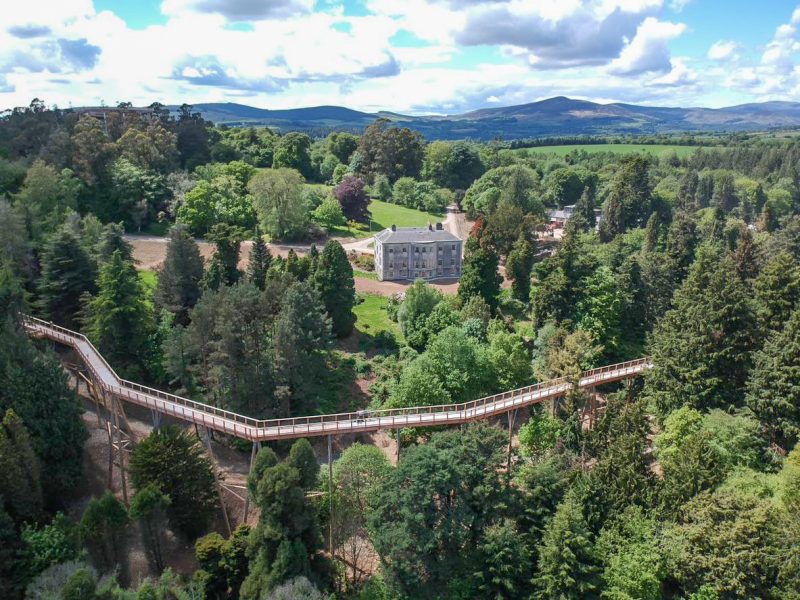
point(417, 252)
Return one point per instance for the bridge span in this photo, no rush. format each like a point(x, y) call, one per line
point(259, 430)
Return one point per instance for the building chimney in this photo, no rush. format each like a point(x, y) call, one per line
point(438, 227)
point(394, 227)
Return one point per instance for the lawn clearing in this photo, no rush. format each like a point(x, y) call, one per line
point(653, 149)
point(385, 214)
point(371, 315)
point(149, 281)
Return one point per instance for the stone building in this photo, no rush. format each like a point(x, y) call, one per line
point(417, 253)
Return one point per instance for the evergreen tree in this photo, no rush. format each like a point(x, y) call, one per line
point(258, 265)
point(284, 544)
point(745, 256)
point(113, 238)
point(174, 461)
point(567, 566)
point(149, 506)
point(67, 274)
point(118, 320)
point(681, 243)
point(301, 339)
point(701, 348)
point(479, 276)
point(334, 281)
point(20, 483)
point(519, 266)
point(302, 458)
point(101, 529)
point(34, 385)
point(585, 208)
point(777, 291)
point(773, 393)
point(224, 267)
point(178, 287)
point(504, 563)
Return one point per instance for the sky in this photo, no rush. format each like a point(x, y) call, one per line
point(408, 56)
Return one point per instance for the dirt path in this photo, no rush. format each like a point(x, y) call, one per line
point(456, 222)
point(149, 253)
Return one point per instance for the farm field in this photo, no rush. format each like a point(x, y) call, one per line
point(654, 149)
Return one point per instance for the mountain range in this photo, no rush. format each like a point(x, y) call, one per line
point(557, 116)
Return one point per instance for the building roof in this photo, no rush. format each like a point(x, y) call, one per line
point(405, 235)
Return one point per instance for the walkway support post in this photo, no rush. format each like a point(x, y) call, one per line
point(207, 438)
point(512, 417)
point(397, 436)
point(253, 452)
point(330, 495)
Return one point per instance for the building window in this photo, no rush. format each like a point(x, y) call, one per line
point(453, 247)
point(391, 250)
point(404, 250)
point(440, 263)
point(452, 261)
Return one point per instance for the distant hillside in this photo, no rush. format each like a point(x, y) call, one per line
point(557, 116)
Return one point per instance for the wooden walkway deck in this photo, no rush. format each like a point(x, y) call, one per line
point(256, 430)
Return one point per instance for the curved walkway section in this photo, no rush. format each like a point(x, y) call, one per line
point(354, 422)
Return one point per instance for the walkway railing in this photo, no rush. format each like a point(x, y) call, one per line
point(316, 425)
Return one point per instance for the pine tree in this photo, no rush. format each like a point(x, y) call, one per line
point(701, 348)
point(585, 208)
point(301, 339)
point(173, 460)
point(224, 267)
point(149, 506)
point(101, 529)
point(113, 238)
point(302, 458)
point(118, 319)
point(479, 277)
point(179, 278)
point(67, 274)
point(260, 259)
point(681, 243)
point(567, 567)
point(777, 291)
point(773, 391)
point(745, 256)
point(519, 265)
point(651, 233)
point(334, 281)
point(20, 476)
point(285, 542)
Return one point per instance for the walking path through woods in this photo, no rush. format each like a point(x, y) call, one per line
point(255, 430)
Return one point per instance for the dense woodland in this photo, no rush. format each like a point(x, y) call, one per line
point(686, 486)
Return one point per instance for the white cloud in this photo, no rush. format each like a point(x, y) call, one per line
point(606, 50)
point(723, 50)
point(648, 52)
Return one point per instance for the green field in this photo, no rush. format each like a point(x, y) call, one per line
point(371, 315)
point(359, 274)
point(654, 149)
point(386, 214)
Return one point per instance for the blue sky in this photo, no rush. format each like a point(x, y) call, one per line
point(414, 56)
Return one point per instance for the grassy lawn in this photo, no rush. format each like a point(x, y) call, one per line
point(654, 149)
point(365, 274)
point(386, 214)
point(371, 316)
point(148, 279)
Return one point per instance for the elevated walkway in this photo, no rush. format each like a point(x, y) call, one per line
point(256, 430)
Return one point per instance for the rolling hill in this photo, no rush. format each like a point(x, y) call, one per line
point(559, 116)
